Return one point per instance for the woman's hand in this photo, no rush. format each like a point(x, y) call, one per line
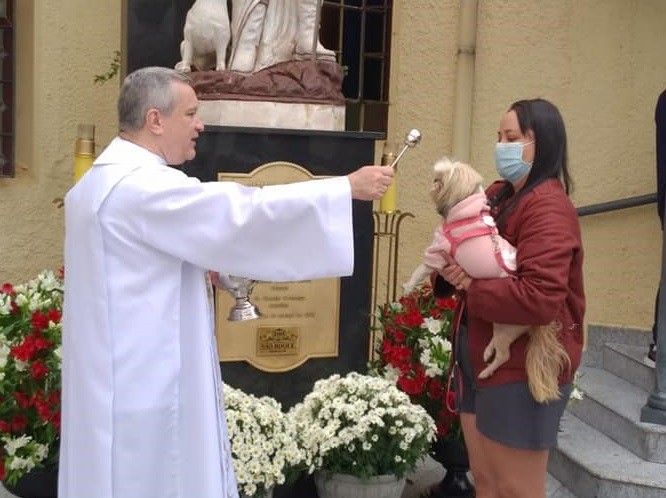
point(454, 274)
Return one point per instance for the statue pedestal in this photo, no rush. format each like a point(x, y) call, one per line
point(298, 95)
point(258, 114)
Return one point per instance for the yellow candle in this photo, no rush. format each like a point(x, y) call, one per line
point(387, 203)
point(84, 150)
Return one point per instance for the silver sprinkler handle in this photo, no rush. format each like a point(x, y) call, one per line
point(411, 140)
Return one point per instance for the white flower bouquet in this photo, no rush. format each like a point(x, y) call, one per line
point(264, 445)
point(363, 426)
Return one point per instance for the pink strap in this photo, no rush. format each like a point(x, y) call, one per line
point(490, 230)
point(455, 241)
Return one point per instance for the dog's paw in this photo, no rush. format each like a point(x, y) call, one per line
point(183, 67)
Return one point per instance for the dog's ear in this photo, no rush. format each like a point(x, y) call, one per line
point(439, 192)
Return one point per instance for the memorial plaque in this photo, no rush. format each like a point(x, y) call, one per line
point(299, 320)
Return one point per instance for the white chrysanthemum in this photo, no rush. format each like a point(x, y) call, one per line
point(4, 354)
point(5, 304)
point(21, 366)
point(21, 299)
point(433, 325)
point(18, 463)
point(344, 418)
point(263, 441)
point(441, 343)
point(13, 444)
point(395, 307)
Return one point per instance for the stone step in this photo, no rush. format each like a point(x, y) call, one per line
point(592, 465)
point(613, 406)
point(627, 362)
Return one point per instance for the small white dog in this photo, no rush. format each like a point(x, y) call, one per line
point(468, 233)
point(205, 37)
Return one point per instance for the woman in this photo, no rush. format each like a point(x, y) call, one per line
point(507, 433)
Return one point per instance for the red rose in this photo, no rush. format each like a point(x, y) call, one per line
point(39, 321)
point(7, 289)
point(55, 420)
point(39, 343)
point(39, 370)
point(398, 336)
point(25, 350)
point(54, 315)
point(19, 422)
point(43, 410)
point(436, 389)
point(23, 400)
point(54, 397)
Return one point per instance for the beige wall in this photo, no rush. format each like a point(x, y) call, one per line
point(61, 45)
point(600, 61)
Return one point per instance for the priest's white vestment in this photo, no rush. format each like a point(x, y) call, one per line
point(140, 373)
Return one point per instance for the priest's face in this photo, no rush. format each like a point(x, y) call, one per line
point(182, 127)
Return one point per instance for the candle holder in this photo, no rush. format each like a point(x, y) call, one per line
point(387, 232)
point(387, 203)
point(386, 239)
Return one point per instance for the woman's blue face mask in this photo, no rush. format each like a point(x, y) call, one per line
point(509, 160)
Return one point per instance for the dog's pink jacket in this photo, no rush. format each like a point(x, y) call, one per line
point(476, 255)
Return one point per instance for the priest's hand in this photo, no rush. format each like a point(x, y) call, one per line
point(369, 183)
point(220, 281)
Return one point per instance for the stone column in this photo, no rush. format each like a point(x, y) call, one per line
point(654, 410)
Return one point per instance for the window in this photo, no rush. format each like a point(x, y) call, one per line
point(359, 31)
point(7, 72)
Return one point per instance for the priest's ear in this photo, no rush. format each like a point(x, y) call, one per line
point(154, 121)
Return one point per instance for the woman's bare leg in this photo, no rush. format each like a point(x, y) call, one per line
point(517, 473)
point(484, 482)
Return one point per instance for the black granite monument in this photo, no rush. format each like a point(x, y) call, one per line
point(240, 150)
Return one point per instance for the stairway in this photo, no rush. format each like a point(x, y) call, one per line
point(604, 451)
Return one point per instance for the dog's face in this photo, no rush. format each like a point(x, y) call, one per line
point(453, 182)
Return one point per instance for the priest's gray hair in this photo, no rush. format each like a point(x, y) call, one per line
point(144, 89)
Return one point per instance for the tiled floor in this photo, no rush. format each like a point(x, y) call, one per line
point(429, 473)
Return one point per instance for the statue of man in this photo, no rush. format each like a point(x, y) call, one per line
point(265, 32)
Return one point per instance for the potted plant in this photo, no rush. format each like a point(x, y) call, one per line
point(364, 434)
point(30, 338)
point(413, 350)
point(264, 445)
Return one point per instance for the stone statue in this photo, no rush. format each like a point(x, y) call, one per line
point(205, 37)
point(266, 32)
point(263, 33)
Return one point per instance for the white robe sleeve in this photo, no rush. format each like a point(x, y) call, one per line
point(279, 233)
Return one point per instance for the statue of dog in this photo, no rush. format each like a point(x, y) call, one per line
point(205, 37)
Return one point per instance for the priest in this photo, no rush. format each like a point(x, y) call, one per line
point(141, 408)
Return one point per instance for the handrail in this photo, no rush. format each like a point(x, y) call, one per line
point(629, 202)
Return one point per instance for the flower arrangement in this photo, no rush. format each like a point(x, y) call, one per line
point(414, 351)
point(362, 426)
point(30, 338)
point(264, 445)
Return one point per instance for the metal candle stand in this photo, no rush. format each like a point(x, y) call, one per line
point(387, 228)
